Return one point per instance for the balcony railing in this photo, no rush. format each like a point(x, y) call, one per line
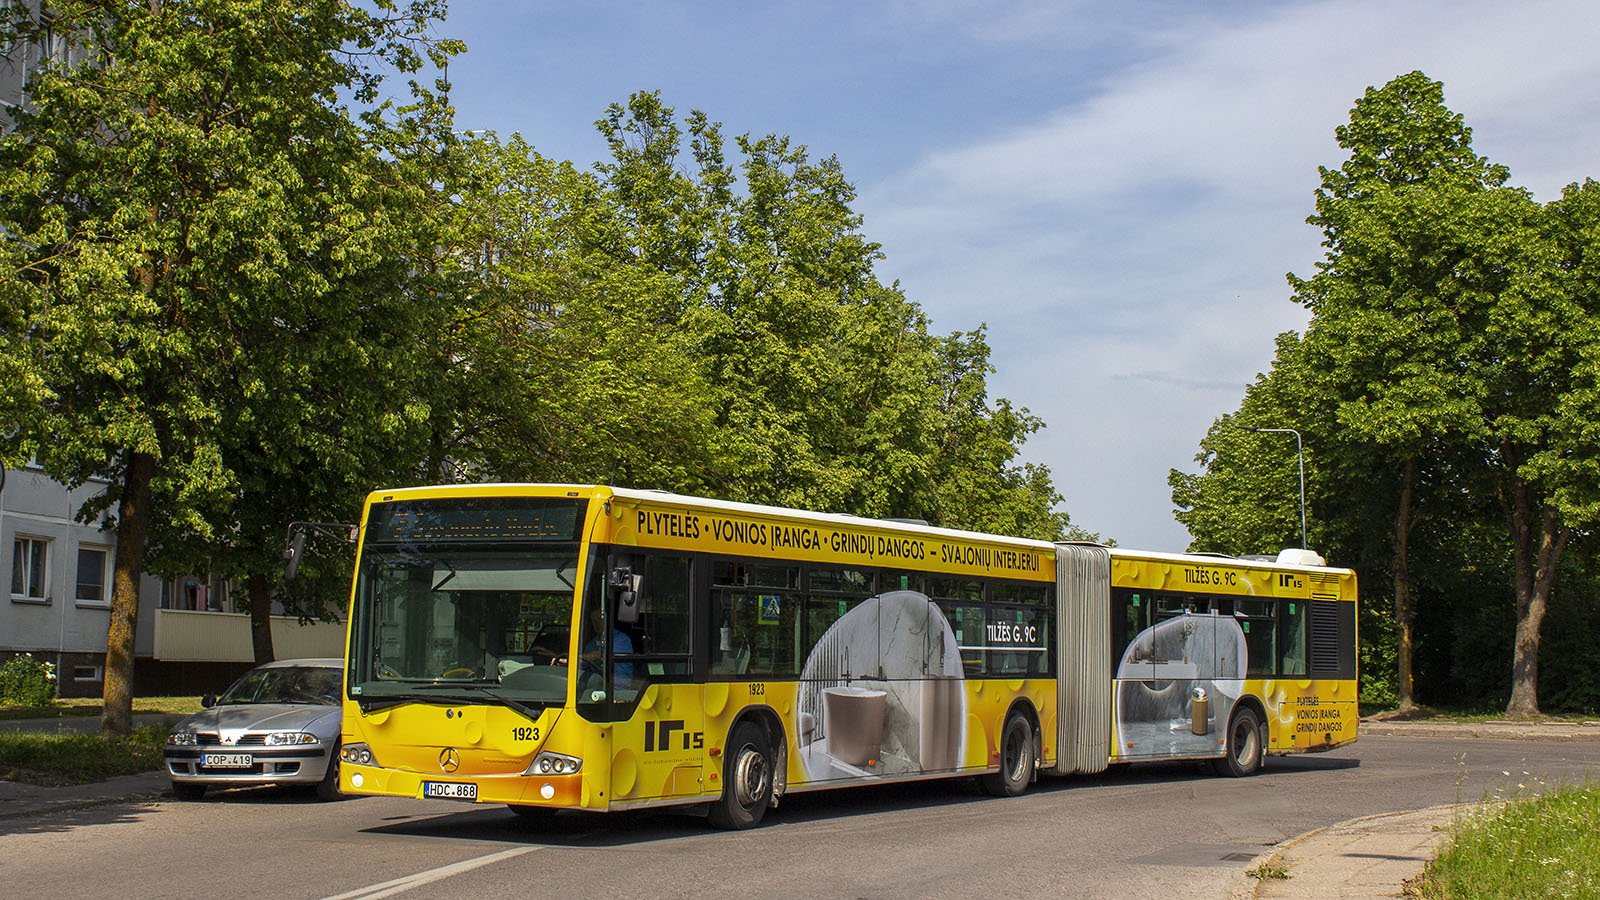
point(190, 636)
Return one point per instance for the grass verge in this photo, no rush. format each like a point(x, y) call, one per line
point(1544, 846)
point(75, 707)
point(58, 759)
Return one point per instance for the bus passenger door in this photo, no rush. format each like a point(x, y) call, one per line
point(660, 743)
point(1135, 687)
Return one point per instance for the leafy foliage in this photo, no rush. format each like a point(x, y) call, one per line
point(204, 254)
point(26, 681)
point(680, 321)
point(1441, 386)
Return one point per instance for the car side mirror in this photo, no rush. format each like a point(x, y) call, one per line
point(208, 700)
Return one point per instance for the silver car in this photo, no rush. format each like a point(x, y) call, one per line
point(279, 724)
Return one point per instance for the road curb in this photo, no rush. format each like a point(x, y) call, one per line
point(19, 801)
point(65, 806)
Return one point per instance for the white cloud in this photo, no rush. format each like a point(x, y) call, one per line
point(1128, 251)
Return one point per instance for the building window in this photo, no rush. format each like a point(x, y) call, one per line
point(92, 576)
point(85, 673)
point(11, 16)
point(30, 570)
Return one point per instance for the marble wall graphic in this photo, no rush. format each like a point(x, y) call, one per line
point(1164, 672)
point(882, 692)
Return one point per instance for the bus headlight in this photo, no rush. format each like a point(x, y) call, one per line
point(547, 763)
point(357, 754)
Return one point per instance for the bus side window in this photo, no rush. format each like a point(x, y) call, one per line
point(831, 592)
point(1130, 616)
point(663, 628)
point(1293, 623)
point(968, 622)
point(1257, 618)
point(1027, 630)
point(755, 619)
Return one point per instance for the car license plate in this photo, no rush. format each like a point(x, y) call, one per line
point(227, 760)
point(450, 790)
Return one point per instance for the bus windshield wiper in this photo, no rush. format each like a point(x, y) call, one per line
point(531, 711)
point(373, 704)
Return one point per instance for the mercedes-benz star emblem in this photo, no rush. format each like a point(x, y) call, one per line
point(449, 759)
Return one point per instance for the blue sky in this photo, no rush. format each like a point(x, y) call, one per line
point(1116, 188)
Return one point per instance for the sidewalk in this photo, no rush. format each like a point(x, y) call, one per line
point(1362, 859)
point(18, 799)
point(1505, 731)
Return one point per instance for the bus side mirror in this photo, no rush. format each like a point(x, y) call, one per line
point(625, 590)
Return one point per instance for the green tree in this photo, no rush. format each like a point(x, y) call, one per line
point(823, 386)
point(188, 217)
point(1389, 326)
point(1444, 365)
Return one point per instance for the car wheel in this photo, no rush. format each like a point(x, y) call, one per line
point(184, 790)
point(1016, 760)
point(1245, 750)
point(328, 787)
point(746, 779)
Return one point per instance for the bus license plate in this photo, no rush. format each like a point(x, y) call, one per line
point(227, 760)
point(450, 790)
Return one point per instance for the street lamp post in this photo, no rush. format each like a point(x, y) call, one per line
point(1300, 452)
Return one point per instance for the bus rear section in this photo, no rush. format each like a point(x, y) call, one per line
point(1205, 657)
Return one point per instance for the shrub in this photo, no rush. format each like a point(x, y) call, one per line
point(25, 681)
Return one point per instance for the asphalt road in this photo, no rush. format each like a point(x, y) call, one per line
point(1150, 831)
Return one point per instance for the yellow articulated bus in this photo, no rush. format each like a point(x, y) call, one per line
point(577, 647)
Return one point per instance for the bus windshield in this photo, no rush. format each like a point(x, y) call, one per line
point(467, 601)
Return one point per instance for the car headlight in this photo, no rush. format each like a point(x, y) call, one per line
point(182, 739)
point(547, 763)
point(282, 738)
point(357, 754)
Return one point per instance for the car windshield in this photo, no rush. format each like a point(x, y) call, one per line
point(285, 684)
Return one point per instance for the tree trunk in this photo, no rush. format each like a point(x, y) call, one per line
point(260, 594)
point(1535, 551)
point(1404, 614)
point(133, 518)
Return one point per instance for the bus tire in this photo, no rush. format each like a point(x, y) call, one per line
point(1016, 759)
point(1245, 750)
point(747, 771)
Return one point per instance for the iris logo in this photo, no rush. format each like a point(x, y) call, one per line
point(449, 759)
point(659, 736)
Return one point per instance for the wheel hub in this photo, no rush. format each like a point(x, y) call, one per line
point(750, 776)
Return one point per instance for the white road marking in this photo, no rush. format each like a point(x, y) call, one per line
point(389, 888)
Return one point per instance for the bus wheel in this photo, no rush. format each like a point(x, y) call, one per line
point(1245, 751)
point(747, 771)
point(1016, 760)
